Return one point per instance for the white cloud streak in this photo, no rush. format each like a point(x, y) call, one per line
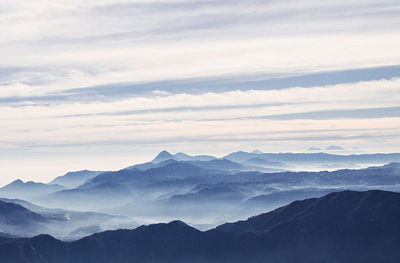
point(85, 43)
point(51, 47)
point(146, 118)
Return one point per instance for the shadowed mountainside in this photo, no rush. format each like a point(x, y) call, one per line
point(343, 226)
point(19, 220)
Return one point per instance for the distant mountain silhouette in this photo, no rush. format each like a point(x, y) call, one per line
point(163, 156)
point(24, 203)
point(74, 179)
point(180, 156)
point(99, 195)
point(19, 217)
point(113, 189)
point(135, 177)
point(340, 227)
point(149, 165)
point(202, 190)
point(19, 189)
point(185, 157)
point(275, 162)
point(315, 158)
point(19, 220)
point(199, 161)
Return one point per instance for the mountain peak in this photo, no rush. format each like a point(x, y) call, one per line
point(256, 151)
point(16, 182)
point(163, 156)
point(177, 223)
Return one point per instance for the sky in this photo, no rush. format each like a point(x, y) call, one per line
point(105, 84)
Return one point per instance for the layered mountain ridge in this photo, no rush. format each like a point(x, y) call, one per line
point(345, 226)
point(201, 190)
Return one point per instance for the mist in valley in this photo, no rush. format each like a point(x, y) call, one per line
point(203, 191)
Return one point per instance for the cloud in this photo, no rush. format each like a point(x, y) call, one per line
point(334, 148)
point(329, 148)
point(192, 86)
point(56, 46)
point(108, 76)
point(92, 66)
point(372, 110)
point(369, 97)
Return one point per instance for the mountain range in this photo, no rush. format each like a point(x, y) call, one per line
point(24, 219)
point(346, 226)
point(203, 191)
point(28, 190)
point(74, 179)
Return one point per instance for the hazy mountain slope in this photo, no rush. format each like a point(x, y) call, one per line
point(185, 157)
point(145, 187)
point(165, 155)
point(136, 178)
point(110, 189)
point(26, 204)
point(28, 190)
point(149, 165)
point(58, 222)
point(214, 164)
point(18, 220)
point(315, 157)
point(213, 194)
point(88, 198)
point(74, 179)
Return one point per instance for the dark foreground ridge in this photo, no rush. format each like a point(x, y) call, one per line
point(341, 227)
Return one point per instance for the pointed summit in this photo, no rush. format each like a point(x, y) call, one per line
point(16, 182)
point(257, 151)
point(163, 156)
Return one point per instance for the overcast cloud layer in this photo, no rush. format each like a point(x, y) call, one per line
point(107, 83)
